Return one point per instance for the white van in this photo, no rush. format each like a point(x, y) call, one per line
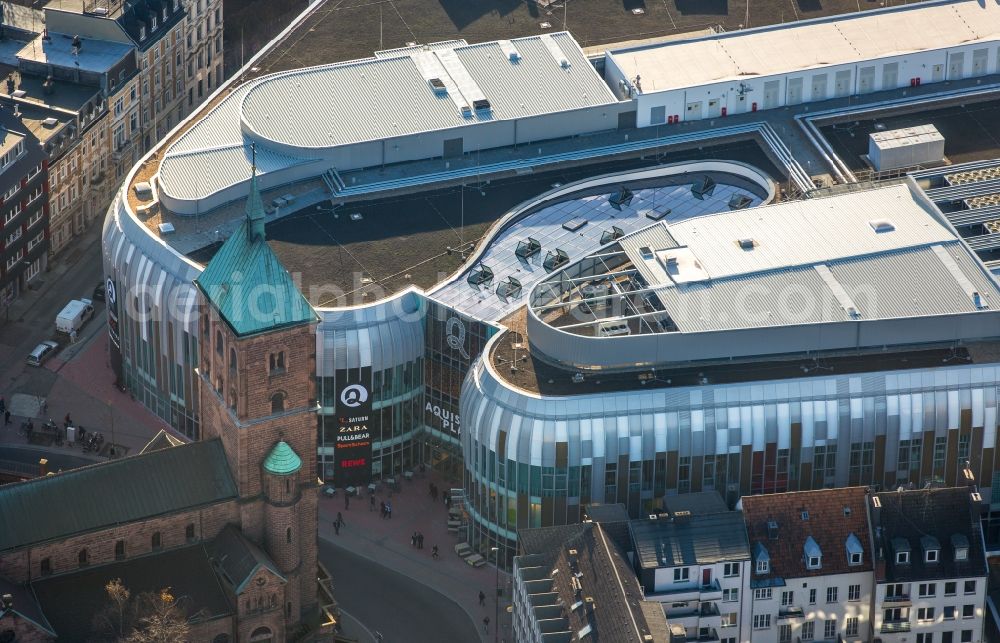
point(74, 315)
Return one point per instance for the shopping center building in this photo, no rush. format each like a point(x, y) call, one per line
point(564, 320)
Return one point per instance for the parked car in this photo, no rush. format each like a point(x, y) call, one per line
point(42, 352)
point(99, 292)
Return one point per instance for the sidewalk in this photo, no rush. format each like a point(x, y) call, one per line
point(387, 542)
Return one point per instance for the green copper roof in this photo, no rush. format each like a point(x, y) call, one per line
point(282, 461)
point(246, 282)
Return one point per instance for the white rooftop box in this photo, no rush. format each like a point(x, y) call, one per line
point(906, 147)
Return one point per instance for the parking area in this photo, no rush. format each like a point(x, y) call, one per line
point(970, 131)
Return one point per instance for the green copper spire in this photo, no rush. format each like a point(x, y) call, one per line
point(282, 461)
point(255, 206)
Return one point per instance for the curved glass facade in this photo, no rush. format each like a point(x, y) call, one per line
point(534, 461)
point(384, 345)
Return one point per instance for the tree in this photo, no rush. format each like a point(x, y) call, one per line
point(150, 617)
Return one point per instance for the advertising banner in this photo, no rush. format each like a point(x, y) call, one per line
point(114, 332)
point(353, 447)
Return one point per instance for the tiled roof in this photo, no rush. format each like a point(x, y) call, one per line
point(829, 516)
point(924, 517)
point(247, 284)
point(282, 460)
point(699, 540)
point(70, 601)
point(238, 559)
point(114, 493)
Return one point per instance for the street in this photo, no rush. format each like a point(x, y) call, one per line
point(402, 609)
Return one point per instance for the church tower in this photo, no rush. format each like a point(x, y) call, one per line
point(257, 393)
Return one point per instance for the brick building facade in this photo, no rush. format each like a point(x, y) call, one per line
point(230, 522)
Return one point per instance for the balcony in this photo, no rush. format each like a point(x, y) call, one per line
point(122, 148)
point(893, 627)
point(711, 591)
point(900, 600)
point(788, 611)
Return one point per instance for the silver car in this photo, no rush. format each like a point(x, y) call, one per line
point(42, 352)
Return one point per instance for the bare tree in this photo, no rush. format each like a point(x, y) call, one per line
point(150, 617)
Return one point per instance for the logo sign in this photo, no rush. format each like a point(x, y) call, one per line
point(455, 336)
point(354, 435)
point(446, 419)
point(110, 292)
point(354, 396)
point(114, 331)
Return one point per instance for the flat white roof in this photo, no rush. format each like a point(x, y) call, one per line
point(825, 42)
point(94, 55)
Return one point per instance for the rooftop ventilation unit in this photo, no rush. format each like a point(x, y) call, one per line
point(481, 105)
point(438, 86)
point(978, 301)
point(881, 225)
point(466, 111)
point(50, 122)
point(355, 216)
point(166, 228)
point(564, 63)
point(514, 56)
point(747, 244)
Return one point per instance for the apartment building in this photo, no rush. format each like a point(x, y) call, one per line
point(812, 565)
point(573, 583)
point(930, 565)
point(697, 566)
point(119, 73)
point(24, 210)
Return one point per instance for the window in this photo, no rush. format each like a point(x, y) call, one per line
point(785, 633)
point(931, 556)
point(948, 613)
point(855, 558)
point(658, 115)
point(278, 402)
point(232, 361)
point(787, 598)
point(730, 595)
point(925, 614)
point(288, 609)
point(730, 570)
point(808, 632)
point(82, 558)
point(681, 575)
point(925, 638)
point(762, 566)
point(831, 594)
point(120, 550)
point(970, 587)
point(940, 446)
point(854, 592)
point(119, 107)
point(11, 192)
point(218, 343)
point(949, 588)
point(288, 535)
point(189, 532)
point(830, 628)
point(813, 562)
point(927, 589)
point(761, 621)
point(812, 597)
point(132, 91)
point(966, 636)
point(895, 615)
point(45, 567)
point(156, 540)
point(762, 594)
point(902, 557)
point(277, 363)
point(852, 626)
point(729, 619)
point(968, 611)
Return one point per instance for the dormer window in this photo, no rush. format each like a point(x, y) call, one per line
point(932, 549)
point(164, 13)
point(855, 552)
point(902, 557)
point(961, 545)
point(813, 555)
point(762, 560)
point(142, 34)
point(901, 547)
point(152, 25)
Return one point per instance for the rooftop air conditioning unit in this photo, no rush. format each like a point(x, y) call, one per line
point(481, 105)
point(564, 63)
point(466, 111)
point(514, 56)
point(438, 86)
point(50, 122)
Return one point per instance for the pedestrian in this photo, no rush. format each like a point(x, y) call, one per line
point(482, 598)
point(447, 500)
point(486, 624)
point(340, 518)
point(434, 551)
point(371, 503)
point(336, 527)
point(3, 404)
point(347, 501)
point(6, 418)
point(388, 510)
point(383, 509)
point(420, 540)
point(413, 540)
point(69, 420)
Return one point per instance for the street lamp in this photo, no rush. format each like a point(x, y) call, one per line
point(496, 594)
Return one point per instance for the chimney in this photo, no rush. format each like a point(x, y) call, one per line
point(43, 468)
